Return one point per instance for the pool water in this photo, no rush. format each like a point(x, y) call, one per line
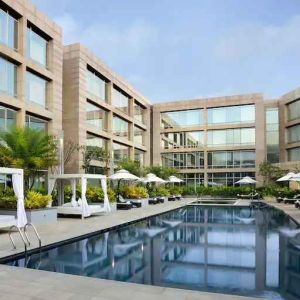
point(231, 250)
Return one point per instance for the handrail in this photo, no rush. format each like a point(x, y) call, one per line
point(22, 237)
point(36, 233)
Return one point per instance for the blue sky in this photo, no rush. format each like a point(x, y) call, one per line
point(176, 49)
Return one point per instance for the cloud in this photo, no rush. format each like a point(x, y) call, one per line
point(254, 40)
point(108, 40)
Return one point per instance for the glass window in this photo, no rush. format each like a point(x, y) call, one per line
point(36, 123)
point(183, 160)
point(96, 116)
point(182, 118)
point(120, 100)
point(231, 159)
point(294, 110)
point(95, 141)
point(95, 84)
point(120, 152)
point(36, 89)
point(293, 134)
point(294, 154)
point(193, 178)
point(7, 118)
point(139, 112)
point(36, 47)
point(227, 179)
point(188, 139)
point(8, 77)
point(232, 114)
point(139, 156)
point(272, 135)
point(120, 128)
point(8, 30)
point(139, 134)
point(238, 136)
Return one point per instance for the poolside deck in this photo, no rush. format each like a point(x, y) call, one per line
point(35, 284)
point(289, 209)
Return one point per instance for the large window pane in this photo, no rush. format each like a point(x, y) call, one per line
point(188, 139)
point(238, 136)
point(8, 29)
point(120, 152)
point(231, 159)
point(7, 118)
point(96, 116)
point(120, 128)
point(36, 47)
point(139, 134)
point(139, 156)
point(294, 154)
point(227, 179)
point(95, 141)
point(293, 134)
point(95, 84)
point(272, 135)
point(8, 77)
point(294, 110)
point(183, 160)
point(182, 118)
point(120, 100)
point(139, 112)
point(232, 114)
point(36, 123)
point(36, 89)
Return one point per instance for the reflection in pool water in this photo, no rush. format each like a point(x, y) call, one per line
point(219, 249)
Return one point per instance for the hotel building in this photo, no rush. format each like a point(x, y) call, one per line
point(57, 88)
point(102, 109)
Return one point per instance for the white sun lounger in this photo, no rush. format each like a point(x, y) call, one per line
point(77, 210)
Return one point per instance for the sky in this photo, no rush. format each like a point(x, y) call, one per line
point(185, 49)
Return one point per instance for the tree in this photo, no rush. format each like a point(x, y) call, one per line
point(269, 172)
point(94, 153)
point(29, 149)
point(132, 166)
point(162, 171)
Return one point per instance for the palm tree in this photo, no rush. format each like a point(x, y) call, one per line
point(29, 149)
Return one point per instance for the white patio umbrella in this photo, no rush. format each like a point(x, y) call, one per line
point(174, 179)
point(286, 177)
point(123, 175)
point(296, 177)
point(150, 177)
point(246, 180)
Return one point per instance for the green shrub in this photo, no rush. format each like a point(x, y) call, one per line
point(35, 200)
point(159, 190)
point(8, 200)
point(93, 193)
point(134, 192)
point(175, 190)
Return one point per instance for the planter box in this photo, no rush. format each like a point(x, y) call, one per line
point(35, 216)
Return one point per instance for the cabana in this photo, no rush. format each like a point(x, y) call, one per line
point(80, 207)
point(18, 187)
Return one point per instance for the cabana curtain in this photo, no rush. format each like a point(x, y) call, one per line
point(106, 201)
point(18, 187)
point(85, 207)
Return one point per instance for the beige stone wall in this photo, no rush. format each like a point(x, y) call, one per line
point(27, 12)
point(75, 95)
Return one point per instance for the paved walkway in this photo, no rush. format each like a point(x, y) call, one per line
point(68, 228)
point(289, 209)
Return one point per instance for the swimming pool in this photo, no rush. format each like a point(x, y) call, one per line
point(233, 250)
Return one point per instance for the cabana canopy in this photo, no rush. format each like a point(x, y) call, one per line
point(83, 179)
point(18, 186)
point(123, 175)
point(295, 177)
